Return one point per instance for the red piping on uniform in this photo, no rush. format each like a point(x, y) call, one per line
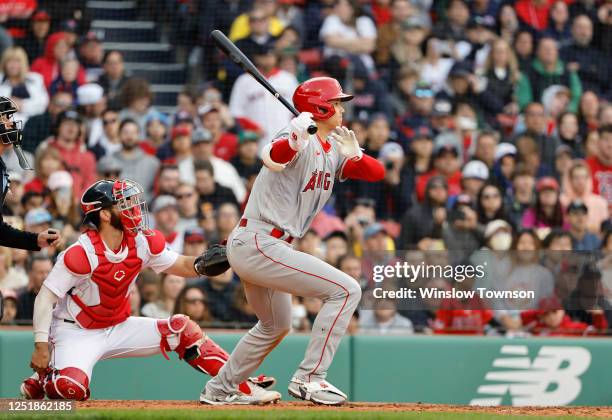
point(322, 278)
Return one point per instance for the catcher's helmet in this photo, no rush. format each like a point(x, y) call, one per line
point(97, 197)
point(315, 95)
point(126, 195)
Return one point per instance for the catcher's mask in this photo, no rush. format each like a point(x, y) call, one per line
point(126, 195)
point(132, 207)
point(10, 129)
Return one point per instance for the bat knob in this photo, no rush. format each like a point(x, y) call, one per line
point(312, 129)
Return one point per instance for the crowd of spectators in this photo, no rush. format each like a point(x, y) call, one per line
point(493, 119)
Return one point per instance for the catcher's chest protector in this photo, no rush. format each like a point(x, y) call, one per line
point(113, 280)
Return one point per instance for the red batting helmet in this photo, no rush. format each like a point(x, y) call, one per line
point(315, 95)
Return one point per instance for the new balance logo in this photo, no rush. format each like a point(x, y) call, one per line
point(552, 378)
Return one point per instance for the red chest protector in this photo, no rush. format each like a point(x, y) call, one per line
point(113, 281)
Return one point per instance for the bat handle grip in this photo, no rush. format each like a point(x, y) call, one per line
point(312, 129)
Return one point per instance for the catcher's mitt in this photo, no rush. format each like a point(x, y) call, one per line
point(212, 262)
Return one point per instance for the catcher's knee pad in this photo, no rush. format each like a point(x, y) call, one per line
point(182, 335)
point(67, 384)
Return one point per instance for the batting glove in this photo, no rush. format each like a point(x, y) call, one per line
point(298, 131)
point(347, 142)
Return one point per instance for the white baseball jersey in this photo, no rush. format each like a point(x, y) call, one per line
point(61, 280)
point(291, 198)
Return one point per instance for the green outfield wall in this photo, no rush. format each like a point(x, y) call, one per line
point(441, 369)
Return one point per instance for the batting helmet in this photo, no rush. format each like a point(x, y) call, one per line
point(315, 95)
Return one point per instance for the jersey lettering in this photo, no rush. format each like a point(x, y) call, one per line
point(318, 179)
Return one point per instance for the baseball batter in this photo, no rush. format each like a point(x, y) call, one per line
point(90, 287)
point(292, 187)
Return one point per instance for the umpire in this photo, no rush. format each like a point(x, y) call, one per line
point(10, 136)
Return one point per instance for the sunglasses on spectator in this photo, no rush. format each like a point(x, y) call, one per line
point(181, 196)
point(109, 121)
point(488, 196)
point(257, 18)
point(192, 301)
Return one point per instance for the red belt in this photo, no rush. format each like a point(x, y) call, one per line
point(275, 233)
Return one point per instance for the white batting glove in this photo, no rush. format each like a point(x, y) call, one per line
point(298, 131)
point(349, 146)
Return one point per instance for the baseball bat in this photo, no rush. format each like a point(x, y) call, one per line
point(238, 57)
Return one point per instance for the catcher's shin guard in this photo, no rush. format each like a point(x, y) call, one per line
point(183, 336)
point(69, 383)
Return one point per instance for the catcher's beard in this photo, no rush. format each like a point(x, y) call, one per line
point(115, 220)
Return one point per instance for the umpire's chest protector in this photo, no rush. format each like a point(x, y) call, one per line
point(103, 299)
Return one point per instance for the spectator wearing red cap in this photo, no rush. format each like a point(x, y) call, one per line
point(56, 50)
point(547, 211)
point(34, 41)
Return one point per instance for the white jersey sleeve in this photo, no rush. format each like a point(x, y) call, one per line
point(157, 262)
point(60, 280)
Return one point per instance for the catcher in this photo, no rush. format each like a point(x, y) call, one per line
point(90, 287)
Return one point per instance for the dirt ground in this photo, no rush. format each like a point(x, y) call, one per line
point(540, 411)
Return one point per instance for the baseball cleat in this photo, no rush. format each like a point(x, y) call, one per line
point(258, 396)
point(320, 392)
point(32, 389)
point(263, 381)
